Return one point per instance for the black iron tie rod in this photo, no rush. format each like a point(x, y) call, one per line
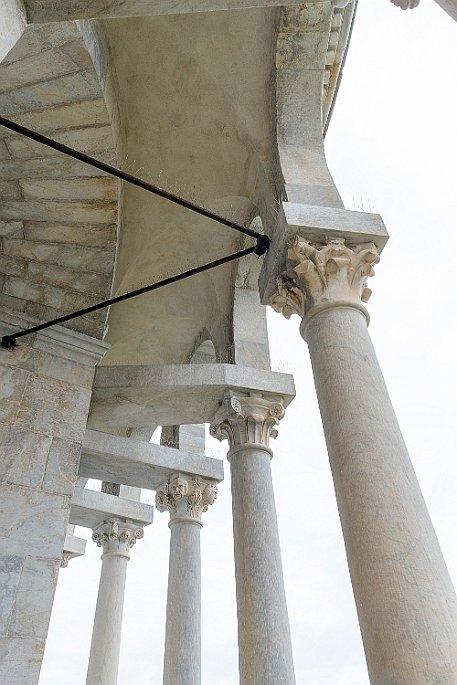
point(17, 128)
point(9, 341)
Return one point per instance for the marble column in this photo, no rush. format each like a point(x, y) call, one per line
point(116, 537)
point(45, 390)
point(265, 651)
point(405, 600)
point(186, 498)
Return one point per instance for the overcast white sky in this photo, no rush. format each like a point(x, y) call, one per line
point(392, 146)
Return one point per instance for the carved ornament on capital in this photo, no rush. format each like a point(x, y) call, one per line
point(322, 274)
point(247, 420)
point(117, 537)
point(186, 496)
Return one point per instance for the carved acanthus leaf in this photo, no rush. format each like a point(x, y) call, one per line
point(247, 420)
point(333, 271)
point(289, 299)
point(186, 496)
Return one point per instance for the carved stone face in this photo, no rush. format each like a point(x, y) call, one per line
point(178, 487)
point(210, 493)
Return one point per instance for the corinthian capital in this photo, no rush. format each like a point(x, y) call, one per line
point(117, 536)
point(186, 496)
point(247, 420)
point(319, 274)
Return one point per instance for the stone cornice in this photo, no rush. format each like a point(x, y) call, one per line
point(57, 340)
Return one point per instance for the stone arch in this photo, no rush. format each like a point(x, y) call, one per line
point(58, 218)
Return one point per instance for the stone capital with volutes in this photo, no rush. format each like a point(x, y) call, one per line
point(186, 497)
point(319, 276)
point(247, 420)
point(117, 536)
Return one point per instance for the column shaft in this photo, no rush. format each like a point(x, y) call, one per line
point(183, 627)
point(106, 635)
point(405, 599)
point(265, 652)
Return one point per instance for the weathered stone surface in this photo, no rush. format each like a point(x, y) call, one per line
point(47, 167)
point(35, 593)
point(9, 190)
point(53, 408)
point(72, 115)
point(10, 574)
point(23, 456)
point(12, 267)
point(62, 467)
point(95, 140)
point(20, 660)
point(72, 189)
point(45, 65)
point(32, 522)
point(72, 212)
point(95, 284)
point(92, 235)
point(73, 257)
point(12, 229)
point(11, 391)
point(4, 152)
point(71, 88)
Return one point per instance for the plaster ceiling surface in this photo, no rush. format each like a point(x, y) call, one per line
point(197, 112)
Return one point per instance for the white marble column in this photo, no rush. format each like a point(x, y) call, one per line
point(186, 498)
point(405, 600)
point(116, 537)
point(265, 651)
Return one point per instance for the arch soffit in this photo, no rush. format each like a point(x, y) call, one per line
point(58, 217)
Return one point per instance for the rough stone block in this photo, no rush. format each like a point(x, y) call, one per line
point(23, 456)
point(12, 386)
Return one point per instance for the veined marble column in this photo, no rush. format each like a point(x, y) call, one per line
point(186, 498)
point(265, 651)
point(405, 600)
point(116, 537)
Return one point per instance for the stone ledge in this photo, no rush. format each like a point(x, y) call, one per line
point(137, 396)
point(140, 464)
point(90, 508)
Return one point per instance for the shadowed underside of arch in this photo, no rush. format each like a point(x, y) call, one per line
point(58, 217)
